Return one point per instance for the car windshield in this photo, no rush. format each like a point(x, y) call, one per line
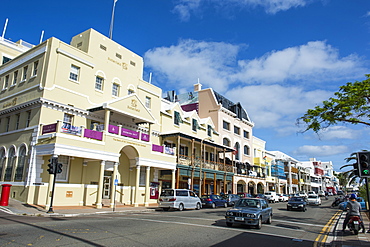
point(250, 203)
point(296, 199)
point(312, 196)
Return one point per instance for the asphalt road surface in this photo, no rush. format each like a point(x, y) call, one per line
point(205, 227)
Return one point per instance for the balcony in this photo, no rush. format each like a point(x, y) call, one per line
point(206, 164)
point(293, 169)
point(294, 181)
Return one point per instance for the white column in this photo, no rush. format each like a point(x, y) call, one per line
point(290, 177)
point(173, 182)
point(100, 185)
point(136, 198)
point(147, 186)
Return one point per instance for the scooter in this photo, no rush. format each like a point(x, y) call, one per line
point(336, 202)
point(354, 224)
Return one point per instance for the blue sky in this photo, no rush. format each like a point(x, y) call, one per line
point(277, 57)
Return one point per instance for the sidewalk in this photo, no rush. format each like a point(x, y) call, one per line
point(347, 238)
point(19, 208)
point(335, 239)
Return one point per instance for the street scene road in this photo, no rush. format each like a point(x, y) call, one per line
point(205, 227)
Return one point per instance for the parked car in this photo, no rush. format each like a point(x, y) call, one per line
point(249, 211)
point(262, 196)
point(321, 193)
point(179, 199)
point(296, 203)
point(243, 194)
point(283, 197)
point(343, 205)
point(231, 199)
point(302, 194)
point(313, 200)
point(213, 201)
point(311, 193)
point(272, 197)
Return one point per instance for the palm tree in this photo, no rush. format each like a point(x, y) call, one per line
point(343, 179)
point(352, 174)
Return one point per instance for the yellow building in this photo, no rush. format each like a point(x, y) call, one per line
point(86, 104)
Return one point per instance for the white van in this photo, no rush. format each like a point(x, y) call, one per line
point(272, 197)
point(179, 199)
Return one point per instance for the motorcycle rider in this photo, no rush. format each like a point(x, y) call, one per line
point(354, 208)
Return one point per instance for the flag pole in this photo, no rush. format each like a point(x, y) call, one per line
point(112, 20)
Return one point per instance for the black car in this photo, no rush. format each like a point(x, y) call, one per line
point(231, 199)
point(296, 203)
point(262, 196)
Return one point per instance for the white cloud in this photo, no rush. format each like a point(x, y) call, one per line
point(321, 151)
point(216, 65)
point(314, 61)
point(184, 8)
point(339, 132)
point(181, 65)
point(276, 106)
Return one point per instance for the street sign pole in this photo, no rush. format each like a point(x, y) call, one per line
point(114, 194)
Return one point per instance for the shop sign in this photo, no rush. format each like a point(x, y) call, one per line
point(49, 128)
point(130, 133)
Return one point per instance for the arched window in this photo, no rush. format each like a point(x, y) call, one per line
point(19, 172)
point(237, 151)
point(246, 150)
point(2, 162)
point(226, 142)
point(10, 165)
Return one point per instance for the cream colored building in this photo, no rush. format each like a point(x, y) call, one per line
point(87, 104)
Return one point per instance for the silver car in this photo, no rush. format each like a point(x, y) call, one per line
point(179, 199)
point(249, 211)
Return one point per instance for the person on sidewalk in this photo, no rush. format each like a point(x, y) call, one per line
point(353, 209)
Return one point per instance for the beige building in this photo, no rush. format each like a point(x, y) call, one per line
point(86, 104)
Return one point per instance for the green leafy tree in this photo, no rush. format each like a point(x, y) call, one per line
point(343, 179)
point(351, 175)
point(351, 104)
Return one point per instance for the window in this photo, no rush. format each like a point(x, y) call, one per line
point(194, 124)
point(10, 165)
point(17, 118)
point(236, 130)
point(28, 120)
point(2, 162)
point(115, 89)
point(68, 118)
point(119, 55)
point(63, 176)
point(184, 150)
point(226, 125)
point(6, 82)
point(99, 83)
point(73, 75)
point(6, 59)
point(24, 73)
point(130, 91)
point(177, 118)
point(246, 134)
point(35, 68)
point(132, 63)
point(209, 130)
point(148, 102)
point(7, 124)
point(103, 47)
point(226, 142)
point(142, 177)
point(246, 150)
point(15, 77)
point(19, 171)
point(237, 151)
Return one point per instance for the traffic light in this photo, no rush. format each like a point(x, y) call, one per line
point(52, 165)
point(363, 161)
point(59, 168)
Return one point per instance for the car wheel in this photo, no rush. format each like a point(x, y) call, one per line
point(166, 209)
point(288, 209)
point(229, 224)
point(259, 226)
point(225, 205)
point(269, 220)
point(181, 207)
point(213, 205)
point(198, 206)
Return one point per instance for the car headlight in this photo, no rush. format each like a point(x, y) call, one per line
point(289, 204)
point(251, 215)
point(229, 213)
point(300, 205)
